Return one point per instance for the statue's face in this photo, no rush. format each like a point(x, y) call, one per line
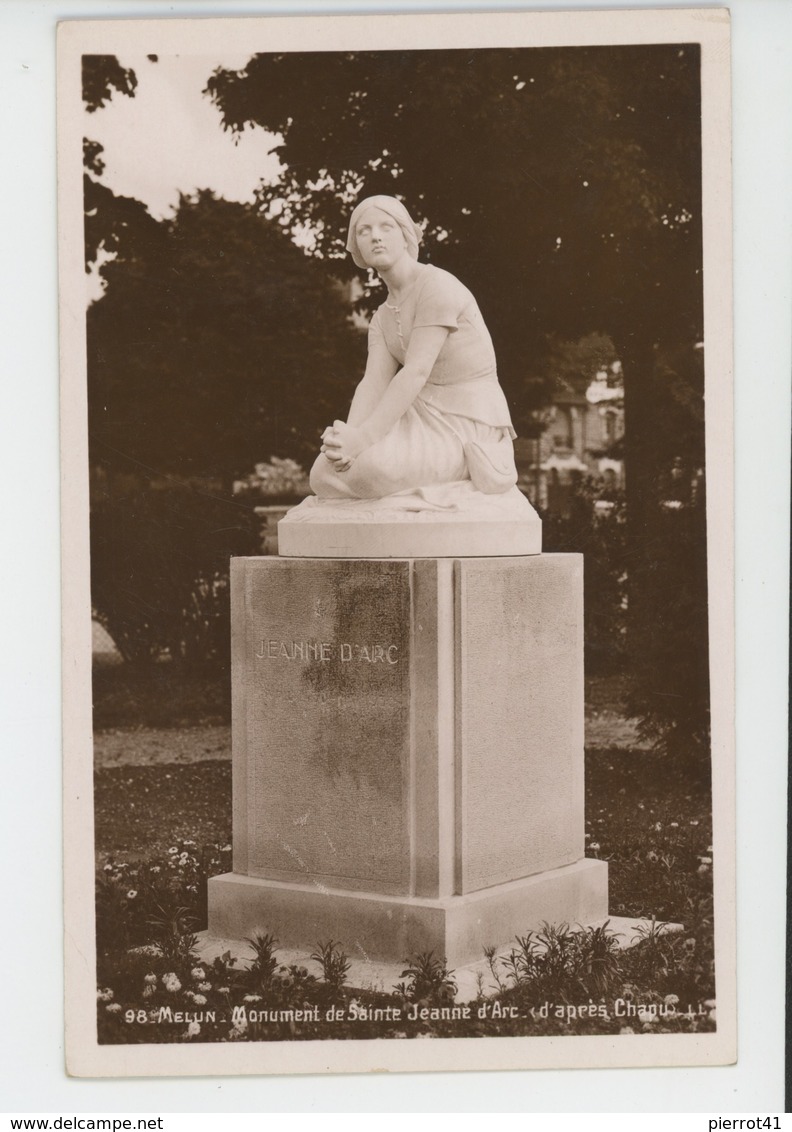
point(380, 239)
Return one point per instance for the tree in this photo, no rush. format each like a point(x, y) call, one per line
point(217, 343)
point(107, 216)
point(101, 75)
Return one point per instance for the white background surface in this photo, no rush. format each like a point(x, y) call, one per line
point(32, 1061)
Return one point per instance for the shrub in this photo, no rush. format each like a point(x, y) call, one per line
point(159, 571)
point(668, 641)
point(595, 527)
point(647, 613)
point(276, 481)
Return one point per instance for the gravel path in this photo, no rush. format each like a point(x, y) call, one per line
point(152, 746)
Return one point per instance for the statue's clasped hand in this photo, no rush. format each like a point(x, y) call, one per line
point(342, 443)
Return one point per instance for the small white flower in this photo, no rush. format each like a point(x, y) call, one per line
point(150, 979)
point(173, 850)
point(658, 826)
point(194, 1029)
point(252, 998)
point(132, 894)
point(693, 822)
point(626, 1030)
point(671, 999)
point(148, 992)
point(223, 990)
point(594, 845)
point(674, 824)
point(171, 982)
point(709, 1004)
point(198, 973)
point(204, 987)
point(108, 868)
point(104, 995)
point(706, 860)
point(226, 848)
point(647, 1017)
point(199, 999)
point(113, 1007)
point(156, 869)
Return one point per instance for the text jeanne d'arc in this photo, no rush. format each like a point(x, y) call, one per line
point(320, 651)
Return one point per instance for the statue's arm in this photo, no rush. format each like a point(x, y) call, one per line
point(380, 368)
point(426, 342)
point(346, 440)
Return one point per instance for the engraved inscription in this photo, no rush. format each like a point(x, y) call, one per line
point(326, 650)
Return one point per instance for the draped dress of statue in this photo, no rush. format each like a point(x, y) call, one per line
point(455, 439)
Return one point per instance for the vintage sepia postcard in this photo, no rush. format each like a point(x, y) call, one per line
point(398, 572)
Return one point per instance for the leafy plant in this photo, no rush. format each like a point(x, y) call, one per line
point(599, 958)
point(334, 963)
point(428, 979)
point(265, 964)
point(564, 962)
point(171, 933)
point(521, 962)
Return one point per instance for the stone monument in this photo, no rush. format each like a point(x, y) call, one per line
point(408, 673)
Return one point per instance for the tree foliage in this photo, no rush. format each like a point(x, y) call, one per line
point(217, 343)
point(107, 215)
point(101, 75)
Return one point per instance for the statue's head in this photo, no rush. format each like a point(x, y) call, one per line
point(367, 211)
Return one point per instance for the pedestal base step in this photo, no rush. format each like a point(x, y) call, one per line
point(374, 928)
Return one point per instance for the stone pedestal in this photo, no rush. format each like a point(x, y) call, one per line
point(407, 754)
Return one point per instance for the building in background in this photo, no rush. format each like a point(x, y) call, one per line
point(582, 436)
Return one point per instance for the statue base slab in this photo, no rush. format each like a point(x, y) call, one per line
point(452, 521)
